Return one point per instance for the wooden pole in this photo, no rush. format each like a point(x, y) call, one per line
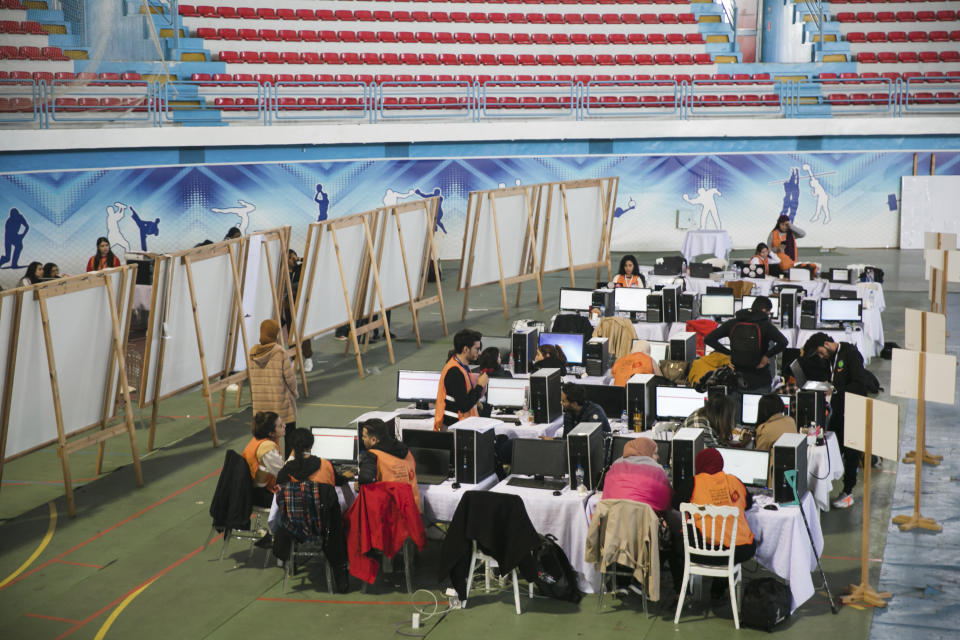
point(434, 264)
point(471, 256)
point(566, 226)
point(943, 287)
point(863, 593)
point(107, 407)
point(496, 237)
point(11, 364)
point(346, 301)
point(379, 291)
point(392, 212)
point(928, 458)
point(287, 284)
point(535, 268)
point(203, 361)
point(162, 342)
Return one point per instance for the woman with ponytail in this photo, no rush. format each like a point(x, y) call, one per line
point(304, 466)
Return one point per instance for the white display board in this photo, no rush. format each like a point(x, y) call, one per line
point(933, 259)
point(927, 203)
point(512, 208)
point(940, 376)
point(588, 211)
point(934, 240)
point(401, 281)
point(885, 426)
point(936, 331)
point(258, 293)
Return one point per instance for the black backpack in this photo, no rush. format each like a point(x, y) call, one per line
point(766, 603)
point(555, 576)
point(870, 382)
point(746, 345)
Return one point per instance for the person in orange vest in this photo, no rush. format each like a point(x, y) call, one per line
point(263, 457)
point(459, 393)
point(637, 361)
point(783, 242)
point(303, 466)
point(386, 459)
point(712, 486)
point(628, 274)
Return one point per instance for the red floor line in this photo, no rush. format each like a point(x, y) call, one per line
point(370, 602)
point(108, 530)
point(79, 564)
point(54, 618)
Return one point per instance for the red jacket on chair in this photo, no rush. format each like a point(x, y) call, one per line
point(381, 518)
point(702, 327)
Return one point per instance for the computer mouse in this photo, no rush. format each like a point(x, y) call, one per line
point(556, 492)
point(455, 485)
point(771, 507)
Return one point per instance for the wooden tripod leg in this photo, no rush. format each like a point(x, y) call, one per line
point(928, 458)
point(865, 594)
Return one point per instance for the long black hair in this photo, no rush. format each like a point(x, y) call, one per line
point(48, 269)
point(110, 258)
point(718, 410)
point(623, 261)
point(32, 274)
point(300, 441)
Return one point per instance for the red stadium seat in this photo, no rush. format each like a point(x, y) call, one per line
point(306, 14)
point(308, 35)
point(948, 56)
point(559, 38)
point(906, 16)
point(926, 16)
point(229, 56)
point(887, 57)
point(266, 13)
point(269, 35)
point(643, 59)
point(247, 13)
point(886, 16)
point(866, 16)
point(702, 58)
point(270, 57)
point(656, 38)
point(866, 57)
point(663, 59)
point(546, 60)
point(287, 14)
point(229, 13)
point(439, 16)
point(694, 38)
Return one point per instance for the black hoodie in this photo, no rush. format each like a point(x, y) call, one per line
point(769, 335)
point(368, 461)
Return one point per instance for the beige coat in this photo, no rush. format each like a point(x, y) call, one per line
point(772, 429)
point(626, 532)
point(621, 334)
point(273, 384)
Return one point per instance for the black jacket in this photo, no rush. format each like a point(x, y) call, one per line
point(847, 374)
point(591, 412)
point(500, 525)
point(368, 461)
point(769, 336)
point(231, 505)
point(549, 363)
point(572, 323)
point(456, 388)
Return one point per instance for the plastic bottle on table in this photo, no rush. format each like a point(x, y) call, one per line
point(581, 488)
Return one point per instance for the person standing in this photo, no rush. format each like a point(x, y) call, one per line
point(458, 393)
point(104, 258)
point(273, 384)
point(783, 242)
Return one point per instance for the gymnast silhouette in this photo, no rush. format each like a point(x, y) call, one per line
point(791, 195)
point(13, 238)
point(436, 192)
point(147, 228)
point(323, 203)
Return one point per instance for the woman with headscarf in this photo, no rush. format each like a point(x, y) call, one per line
point(783, 242)
point(273, 385)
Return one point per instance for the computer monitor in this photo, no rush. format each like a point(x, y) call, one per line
point(417, 386)
point(840, 275)
point(843, 294)
point(750, 404)
point(336, 445)
point(423, 439)
point(750, 465)
point(534, 457)
point(716, 305)
point(611, 398)
point(504, 343)
point(676, 403)
point(575, 299)
point(571, 343)
point(659, 350)
point(748, 304)
point(841, 310)
point(630, 300)
point(618, 443)
point(507, 392)
point(719, 291)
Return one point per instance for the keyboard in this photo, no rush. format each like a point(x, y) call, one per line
point(537, 483)
point(413, 416)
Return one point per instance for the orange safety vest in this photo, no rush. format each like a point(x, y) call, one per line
point(393, 469)
point(323, 475)
point(634, 280)
point(628, 365)
point(250, 455)
point(722, 490)
point(786, 261)
point(439, 408)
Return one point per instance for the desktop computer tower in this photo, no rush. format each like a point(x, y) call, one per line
point(688, 307)
point(603, 298)
point(585, 448)
point(687, 443)
point(545, 395)
point(811, 408)
point(655, 307)
point(788, 308)
point(789, 452)
point(475, 459)
point(596, 356)
point(525, 343)
point(671, 303)
point(683, 346)
point(808, 314)
point(640, 402)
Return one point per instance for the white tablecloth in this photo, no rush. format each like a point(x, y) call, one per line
point(654, 280)
point(697, 242)
point(783, 546)
point(500, 428)
point(699, 285)
point(440, 500)
point(824, 465)
point(565, 517)
point(656, 331)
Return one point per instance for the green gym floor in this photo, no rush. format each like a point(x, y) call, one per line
point(132, 563)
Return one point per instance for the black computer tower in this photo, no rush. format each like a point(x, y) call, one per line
point(683, 346)
point(687, 443)
point(596, 356)
point(603, 298)
point(545, 395)
point(475, 459)
point(789, 452)
point(671, 303)
point(788, 308)
point(655, 307)
point(811, 408)
point(585, 448)
point(808, 314)
point(688, 307)
point(525, 343)
point(640, 390)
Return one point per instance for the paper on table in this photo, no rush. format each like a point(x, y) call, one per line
point(939, 378)
point(947, 240)
point(936, 331)
point(885, 426)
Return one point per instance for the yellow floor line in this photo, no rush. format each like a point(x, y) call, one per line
point(342, 406)
point(116, 612)
point(43, 545)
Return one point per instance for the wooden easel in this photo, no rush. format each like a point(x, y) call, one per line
point(906, 523)
point(863, 593)
point(528, 258)
point(14, 297)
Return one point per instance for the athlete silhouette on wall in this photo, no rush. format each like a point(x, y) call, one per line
point(436, 192)
point(619, 211)
point(118, 242)
point(791, 195)
point(13, 238)
point(706, 198)
point(147, 228)
point(323, 203)
point(392, 197)
point(243, 212)
point(823, 200)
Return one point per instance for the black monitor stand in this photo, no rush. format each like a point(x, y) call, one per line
point(423, 405)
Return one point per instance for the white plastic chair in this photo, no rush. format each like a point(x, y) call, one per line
point(716, 520)
point(479, 556)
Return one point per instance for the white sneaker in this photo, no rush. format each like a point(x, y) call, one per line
point(233, 388)
point(843, 501)
point(308, 364)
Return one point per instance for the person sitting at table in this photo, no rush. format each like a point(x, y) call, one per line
point(263, 457)
point(712, 486)
point(577, 409)
point(772, 421)
point(457, 384)
point(303, 466)
point(762, 258)
point(491, 364)
point(783, 242)
point(637, 361)
point(715, 417)
point(627, 274)
point(550, 356)
point(386, 458)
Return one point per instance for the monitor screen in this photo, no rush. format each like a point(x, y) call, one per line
point(428, 439)
point(611, 398)
point(630, 300)
point(719, 291)
point(415, 386)
point(507, 392)
point(711, 305)
point(839, 275)
point(750, 465)
point(534, 457)
point(750, 405)
point(500, 342)
point(659, 350)
point(678, 402)
point(338, 445)
point(576, 299)
point(841, 310)
point(774, 300)
point(571, 343)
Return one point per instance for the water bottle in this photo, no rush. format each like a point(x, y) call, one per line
point(623, 421)
point(579, 473)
